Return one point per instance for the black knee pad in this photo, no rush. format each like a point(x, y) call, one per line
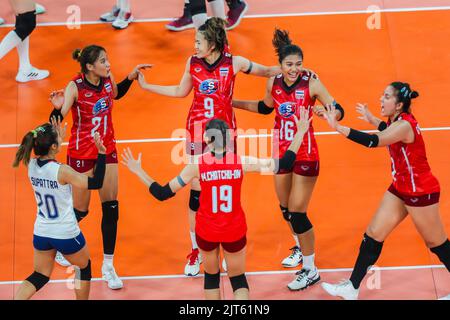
point(197, 6)
point(80, 215)
point(443, 253)
point(212, 281)
point(300, 222)
point(286, 213)
point(239, 282)
point(25, 24)
point(84, 274)
point(110, 211)
point(194, 200)
point(38, 280)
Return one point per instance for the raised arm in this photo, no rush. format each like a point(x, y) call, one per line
point(319, 91)
point(120, 89)
point(167, 191)
point(264, 106)
point(398, 131)
point(62, 100)
point(179, 91)
point(366, 115)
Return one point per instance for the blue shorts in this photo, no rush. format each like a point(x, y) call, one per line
point(65, 246)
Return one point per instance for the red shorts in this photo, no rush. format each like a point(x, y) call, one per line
point(83, 165)
point(416, 201)
point(231, 247)
point(304, 168)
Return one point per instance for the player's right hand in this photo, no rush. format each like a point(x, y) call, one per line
point(57, 99)
point(141, 80)
point(99, 143)
point(364, 111)
point(304, 122)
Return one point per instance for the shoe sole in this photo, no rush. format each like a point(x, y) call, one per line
point(190, 26)
point(292, 266)
point(239, 19)
point(191, 275)
point(116, 288)
point(20, 81)
point(307, 286)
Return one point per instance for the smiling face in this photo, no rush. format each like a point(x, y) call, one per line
point(101, 66)
point(291, 67)
point(389, 104)
point(202, 47)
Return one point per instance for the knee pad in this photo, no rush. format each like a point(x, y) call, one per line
point(110, 211)
point(194, 200)
point(80, 215)
point(38, 280)
point(300, 222)
point(239, 282)
point(197, 6)
point(25, 24)
point(212, 281)
point(84, 274)
point(286, 213)
point(371, 249)
point(443, 253)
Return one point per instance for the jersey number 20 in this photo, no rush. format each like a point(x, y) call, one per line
point(226, 198)
point(50, 206)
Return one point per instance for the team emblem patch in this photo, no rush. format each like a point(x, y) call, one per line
point(100, 106)
point(299, 94)
point(198, 69)
point(209, 86)
point(88, 94)
point(224, 72)
point(287, 109)
point(306, 78)
point(305, 168)
point(278, 91)
point(79, 80)
point(108, 87)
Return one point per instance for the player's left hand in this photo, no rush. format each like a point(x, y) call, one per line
point(56, 123)
point(330, 115)
point(134, 165)
point(135, 73)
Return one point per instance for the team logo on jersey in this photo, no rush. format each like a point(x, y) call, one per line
point(287, 109)
point(79, 80)
point(414, 200)
point(299, 94)
point(108, 87)
point(278, 91)
point(305, 168)
point(198, 69)
point(100, 106)
point(88, 94)
point(305, 78)
point(224, 72)
point(209, 86)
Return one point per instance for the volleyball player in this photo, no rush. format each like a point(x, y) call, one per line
point(286, 93)
point(414, 189)
point(120, 15)
point(56, 227)
point(89, 95)
point(220, 220)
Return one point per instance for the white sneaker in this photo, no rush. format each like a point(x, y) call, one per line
point(33, 74)
point(445, 298)
point(110, 16)
point(40, 9)
point(109, 275)
point(192, 267)
point(123, 20)
point(224, 265)
point(294, 259)
point(2, 21)
point(305, 278)
point(59, 259)
point(343, 289)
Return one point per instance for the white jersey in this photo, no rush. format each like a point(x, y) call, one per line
point(55, 216)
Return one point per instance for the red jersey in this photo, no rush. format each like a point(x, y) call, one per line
point(410, 169)
point(220, 217)
point(287, 103)
point(213, 93)
point(90, 113)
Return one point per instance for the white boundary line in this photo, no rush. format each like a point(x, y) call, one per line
point(245, 136)
point(257, 16)
point(258, 273)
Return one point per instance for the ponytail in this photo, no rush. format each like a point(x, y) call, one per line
point(283, 45)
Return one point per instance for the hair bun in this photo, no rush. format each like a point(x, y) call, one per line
point(413, 94)
point(76, 54)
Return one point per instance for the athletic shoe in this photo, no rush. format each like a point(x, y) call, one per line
point(192, 267)
point(123, 20)
point(305, 278)
point(224, 265)
point(109, 275)
point(294, 259)
point(180, 24)
point(343, 289)
point(2, 21)
point(59, 259)
point(445, 298)
point(110, 16)
point(235, 15)
point(33, 74)
point(40, 9)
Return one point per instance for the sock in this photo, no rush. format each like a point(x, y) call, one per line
point(124, 5)
point(186, 10)
point(308, 262)
point(297, 243)
point(443, 253)
point(193, 240)
point(9, 42)
point(108, 259)
point(24, 56)
point(369, 251)
point(232, 4)
point(199, 19)
point(218, 8)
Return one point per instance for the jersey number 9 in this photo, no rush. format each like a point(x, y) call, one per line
point(209, 107)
